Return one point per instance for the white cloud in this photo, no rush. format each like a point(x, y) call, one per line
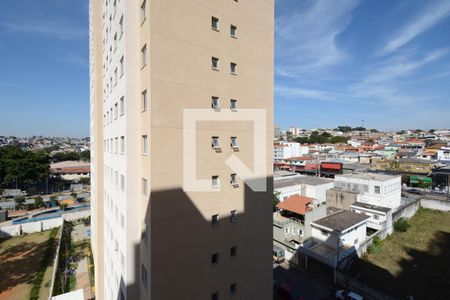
point(432, 15)
point(402, 65)
point(306, 37)
point(303, 93)
point(73, 58)
point(50, 28)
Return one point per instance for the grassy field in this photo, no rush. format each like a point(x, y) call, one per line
point(21, 259)
point(416, 262)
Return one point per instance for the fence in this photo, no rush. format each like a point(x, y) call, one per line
point(41, 225)
point(55, 261)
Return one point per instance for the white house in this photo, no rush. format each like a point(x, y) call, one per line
point(380, 218)
point(307, 186)
point(443, 154)
point(376, 189)
point(283, 150)
point(344, 228)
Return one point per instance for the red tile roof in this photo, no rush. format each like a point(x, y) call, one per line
point(296, 204)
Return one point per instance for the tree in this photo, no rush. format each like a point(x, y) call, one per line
point(85, 180)
point(21, 168)
point(276, 200)
point(85, 155)
point(63, 206)
point(374, 131)
point(74, 195)
point(20, 202)
point(38, 202)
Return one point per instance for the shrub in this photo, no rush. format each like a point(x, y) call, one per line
point(376, 246)
point(401, 225)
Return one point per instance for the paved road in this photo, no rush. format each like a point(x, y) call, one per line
point(310, 288)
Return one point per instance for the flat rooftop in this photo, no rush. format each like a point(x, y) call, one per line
point(297, 180)
point(367, 176)
point(341, 220)
point(372, 207)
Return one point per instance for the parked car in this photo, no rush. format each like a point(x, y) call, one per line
point(415, 191)
point(343, 295)
point(287, 292)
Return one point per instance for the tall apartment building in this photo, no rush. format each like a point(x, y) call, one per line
point(151, 60)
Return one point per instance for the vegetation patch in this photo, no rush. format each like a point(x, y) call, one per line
point(414, 262)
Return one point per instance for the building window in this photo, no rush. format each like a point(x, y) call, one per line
point(116, 110)
point(376, 217)
point(215, 142)
point(122, 220)
point(215, 220)
point(214, 63)
point(122, 144)
point(233, 216)
point(233, 105)
point(144, 100)
point(233, 68)
point(377, 189)
point(122, 105)
point(233, 180)
point(115, 41)
point(121, 27)
point(233, 251)
point(144, 55)
point(122, 182)
point(144, 187)
point(233, 288)
point(215, 104)
point(215, 181)
point(215, 296)
point(143, 13)
point(215, 259)
point(234, 142)
point(116, 76)
point(233, 30)
point(144, 144)
point(121, 68)
point(144, 276)
point(116, 147)
point(214, 23)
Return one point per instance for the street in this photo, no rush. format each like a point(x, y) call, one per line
point(309, 288)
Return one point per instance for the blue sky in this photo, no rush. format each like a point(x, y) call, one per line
point(337, 62)
point(343, 61)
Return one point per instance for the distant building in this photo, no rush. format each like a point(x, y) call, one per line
point(71, 170)
point(285, 150)
point(406, 165)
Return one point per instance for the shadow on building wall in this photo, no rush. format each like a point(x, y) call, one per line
point(181, 242)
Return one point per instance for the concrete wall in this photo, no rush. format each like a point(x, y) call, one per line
point(341, 199)
point(406, 211)
point(435, 204)
point(15, 230)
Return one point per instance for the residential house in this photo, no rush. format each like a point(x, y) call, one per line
point(292, 222)
point(308, 186)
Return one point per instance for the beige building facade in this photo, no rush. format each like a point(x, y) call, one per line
point(150, 61)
